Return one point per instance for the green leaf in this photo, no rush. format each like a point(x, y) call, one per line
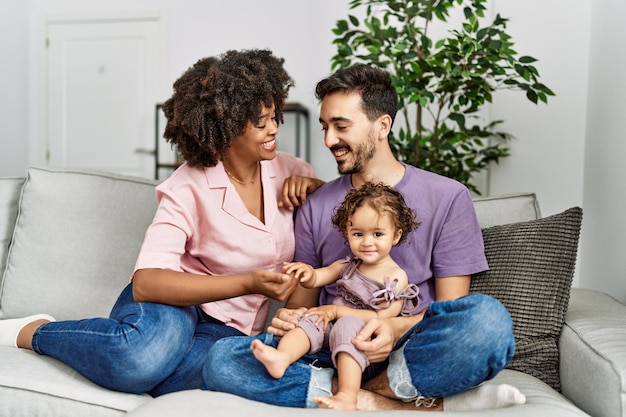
point(527, 60)
point(458, 118)
point(342, 25)
point(545, 90)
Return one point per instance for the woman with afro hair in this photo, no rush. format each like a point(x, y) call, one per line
point(212, 257)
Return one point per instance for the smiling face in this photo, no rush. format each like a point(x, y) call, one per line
point(348, 133)
point(371, 234)
point(258, 141)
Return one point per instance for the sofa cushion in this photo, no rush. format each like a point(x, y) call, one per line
point(75, 242)
point(10, 189)
point(35, 385)
point(541, 400)
point(531, 269)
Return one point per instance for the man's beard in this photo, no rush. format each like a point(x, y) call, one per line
point(360, 157)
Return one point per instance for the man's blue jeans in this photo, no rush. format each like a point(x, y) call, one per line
point(141, 347)
point(457, 345)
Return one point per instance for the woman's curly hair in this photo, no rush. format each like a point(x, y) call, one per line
point(217, 97)
point(383, 199)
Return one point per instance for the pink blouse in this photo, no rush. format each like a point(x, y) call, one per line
point(202, 226)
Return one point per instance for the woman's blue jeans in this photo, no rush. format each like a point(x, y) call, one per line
point(457, 345)
point(141, 348)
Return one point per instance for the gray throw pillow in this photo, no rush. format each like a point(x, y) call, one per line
point(531, 269)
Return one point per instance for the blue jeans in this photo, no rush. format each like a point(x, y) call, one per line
point(457, 345)
point(141, 348)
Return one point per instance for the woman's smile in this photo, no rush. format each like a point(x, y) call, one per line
point(270, 145)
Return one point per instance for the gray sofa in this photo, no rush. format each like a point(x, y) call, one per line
point(68, 242)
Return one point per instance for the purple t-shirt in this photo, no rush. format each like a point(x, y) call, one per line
point(447, 243)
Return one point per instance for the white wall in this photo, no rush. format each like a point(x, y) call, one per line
point(568, 152)
point(548, 149)
point(13, 88)
point(298, 31)
point(603, 246)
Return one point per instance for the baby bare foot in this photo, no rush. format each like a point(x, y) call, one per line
point(275, 362)
point(339, 401)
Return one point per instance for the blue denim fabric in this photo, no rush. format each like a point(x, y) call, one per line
point(141, 347)
point(458, 345)
point(231, 367)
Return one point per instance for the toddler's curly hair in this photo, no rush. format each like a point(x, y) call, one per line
point(383, 199)
point(215, 99)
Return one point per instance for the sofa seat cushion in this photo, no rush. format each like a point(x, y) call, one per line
point(531, 269)
point(541, 400)
point(75, 243)
point(34, 385)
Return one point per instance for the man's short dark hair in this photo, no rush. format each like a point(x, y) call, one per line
point(372, 83)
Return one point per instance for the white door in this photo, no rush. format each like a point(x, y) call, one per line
point(103, 80)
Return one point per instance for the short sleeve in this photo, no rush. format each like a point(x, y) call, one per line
point(459, 249)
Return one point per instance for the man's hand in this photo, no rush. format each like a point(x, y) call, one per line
point(296, 188)
point(376, 339)
point(285, 320)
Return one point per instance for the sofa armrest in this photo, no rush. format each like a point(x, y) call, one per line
point(592, 350)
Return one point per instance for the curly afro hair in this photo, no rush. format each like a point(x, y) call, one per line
point(383, 199)
point(217, 97)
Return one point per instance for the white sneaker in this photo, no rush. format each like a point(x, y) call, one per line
point(10, 328)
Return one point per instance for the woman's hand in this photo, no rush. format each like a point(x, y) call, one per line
point(304, 273)
point(376, 339)
point(296, 188)
point(271, 284)
point(285, 319)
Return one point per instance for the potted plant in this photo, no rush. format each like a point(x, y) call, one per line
point(443, 84)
